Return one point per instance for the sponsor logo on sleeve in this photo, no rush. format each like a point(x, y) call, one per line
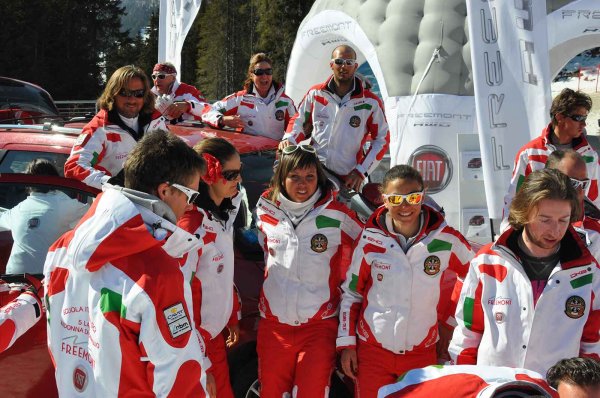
point(432, 265)
point(318, 243)
point(575, 307)
point(177, 320)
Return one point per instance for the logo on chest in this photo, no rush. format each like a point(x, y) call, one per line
point(318, 243)
point(432, 265)
point(279, 115)
point(354, 121)
point(575, 307)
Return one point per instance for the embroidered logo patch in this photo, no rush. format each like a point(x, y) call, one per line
point(499, 317)
point(575, 307)
point(177, 320)
point(272, 252)
point(379, 277)
point(33, 223)
point(80, 379)
point(279, 115)
point(432, 265)
point(318, 243)
point(220, 268)
point(354, 121)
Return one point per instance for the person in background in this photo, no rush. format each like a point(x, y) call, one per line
point(307, 238)
point(389, 320)
point(261, 108)
point(119, 307)
point(536, 277)
point(126, 114)
point(566, 130)
point(575, 378)
point(38, 221)
point(339, 116)
point(176, 100)
point(217, 309)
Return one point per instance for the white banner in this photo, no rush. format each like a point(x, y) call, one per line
point(175, 20)
point(429, 142)
point(509, 51)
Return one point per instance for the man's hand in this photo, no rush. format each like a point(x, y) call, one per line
point(354, 180)
point(445, 334)
point(349, 362)
point(234, 335)
point(211, 385)
point(233, 121)
point(283, 144)
point(175, 110)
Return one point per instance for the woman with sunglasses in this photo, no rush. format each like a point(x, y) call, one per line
point(307, 238)
point(393, 299)
point(261, 108)
point(216, 303)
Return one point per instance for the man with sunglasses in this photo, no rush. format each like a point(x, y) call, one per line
point(120, 316)
point(176, 100)
point(338, 116)
point(126, 114)
point(568, 112)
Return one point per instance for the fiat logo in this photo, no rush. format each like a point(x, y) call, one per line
point(434, 165)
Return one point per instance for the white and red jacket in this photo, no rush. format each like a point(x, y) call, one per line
point(101, 149)
point(216, 302)
point(18, 316)
point(119, 308)
point(465, 381)
point(533, 156)
point(498, 324)
point(260, 117)
point(339, 128)
point(305, 265)
point(390, 298)
point(192, 96)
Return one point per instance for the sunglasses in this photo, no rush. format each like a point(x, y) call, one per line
point(396, 199)
point(161, 76)
point(343, 61)
point(260, 72)
point(232, 175)
point(190, 193)
point(577, 118)
point(293, 148)
point(132, 93)
point(580, 184)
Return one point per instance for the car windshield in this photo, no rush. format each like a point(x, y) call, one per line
point(17, 161)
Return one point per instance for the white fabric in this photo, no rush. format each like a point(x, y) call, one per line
point(296, 211)
point(131, 122)
point(35, 224)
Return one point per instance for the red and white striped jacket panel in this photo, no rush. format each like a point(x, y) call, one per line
point(305, 265)
point(498, 324)
point(268, 120)
point(390, 298)
point(216, 302)
point(190, 94)
point(119, 308)
point(17, 317)
point(533, 156)
point(340, 131)
point(101, 150)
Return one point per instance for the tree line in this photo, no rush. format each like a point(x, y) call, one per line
point(70, 47)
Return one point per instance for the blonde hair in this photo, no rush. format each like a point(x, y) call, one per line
point(118, 81)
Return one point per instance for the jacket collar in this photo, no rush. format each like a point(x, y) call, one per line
point(577, 143)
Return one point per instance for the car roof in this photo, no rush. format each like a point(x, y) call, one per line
point(60, 139)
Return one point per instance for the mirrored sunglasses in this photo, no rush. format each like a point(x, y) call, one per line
point(161, 76)
point(343, 61)
point(232, 175)
point(580, 184)
point(260, 72)
point(293, 148)
point(396, 199)
point(132, 93)
point(578, 118)
point(190, 193)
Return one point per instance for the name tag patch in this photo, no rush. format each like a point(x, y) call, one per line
point(177, 320)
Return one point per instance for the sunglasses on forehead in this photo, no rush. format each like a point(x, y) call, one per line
point(132, 93)
point(190, 193)
point(232, 175)
point(260, 72)
point(161, 76)
point(396, 199)
point(344, 61)
point(293, 148)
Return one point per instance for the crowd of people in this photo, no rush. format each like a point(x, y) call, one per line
point(140, 296)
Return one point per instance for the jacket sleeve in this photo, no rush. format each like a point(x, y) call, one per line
point(226, 107)
point(17, 317)
point(236, 312)
point(469, 317)
point(353, 292)
point(377, 127)
point(300, 126)
point(88, 150)
point(590, 339)
point(520, 171)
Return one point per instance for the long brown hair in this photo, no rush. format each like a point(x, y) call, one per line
point(254, 60)
point(118, 81)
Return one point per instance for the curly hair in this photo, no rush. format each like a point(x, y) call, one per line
point(583, 372)
point(119, 80)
